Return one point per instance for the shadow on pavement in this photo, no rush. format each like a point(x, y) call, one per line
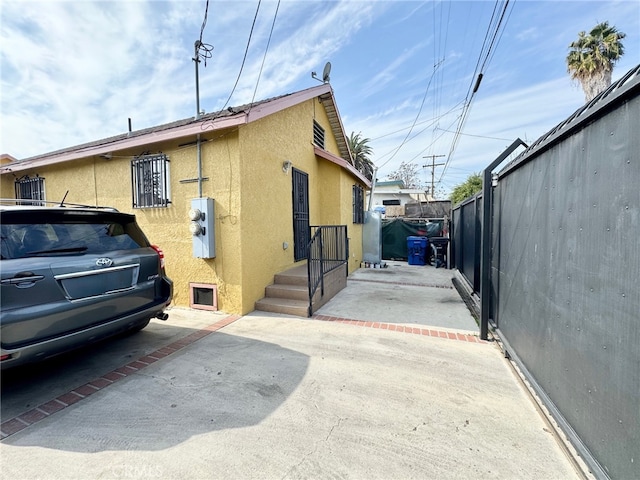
point(219, 382)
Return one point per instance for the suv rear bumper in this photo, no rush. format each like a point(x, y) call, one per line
point(55, 346)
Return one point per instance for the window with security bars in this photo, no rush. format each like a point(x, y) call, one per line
point(358, 204)
point(150, 181)
point(30, 189)
point(318, 134)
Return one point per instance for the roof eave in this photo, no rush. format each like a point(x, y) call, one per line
point(127, 143)
point(342, 163)
point(202, 126)
point(336, 124)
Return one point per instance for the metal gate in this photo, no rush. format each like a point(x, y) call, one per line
point(300, 214)
point(559, 272)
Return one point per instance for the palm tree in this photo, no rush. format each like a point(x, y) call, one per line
point(360, 149)
point(591, 58)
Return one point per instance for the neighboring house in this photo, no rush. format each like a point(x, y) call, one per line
point(435, 209)
point(388, 195)
point(272, 169)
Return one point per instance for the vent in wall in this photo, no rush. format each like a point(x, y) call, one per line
point(203, 296)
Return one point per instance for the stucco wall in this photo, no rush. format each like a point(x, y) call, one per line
point(7, 189)
point(169, 227)
point(266, 192)
point(253, 202)
point(266, 196)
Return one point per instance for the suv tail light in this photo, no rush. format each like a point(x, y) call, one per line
point(160, 254)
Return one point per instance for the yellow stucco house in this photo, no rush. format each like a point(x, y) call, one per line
point(264, 175)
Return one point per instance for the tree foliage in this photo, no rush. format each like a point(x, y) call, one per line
point(592, 56)
point(471, 186)
point(361, 151)
point(408, 173)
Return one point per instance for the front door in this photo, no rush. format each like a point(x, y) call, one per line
point(300, 214)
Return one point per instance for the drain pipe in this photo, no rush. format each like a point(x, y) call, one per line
point(373, 186)
point(199, 160)
point(485, 259)
point(196, 59)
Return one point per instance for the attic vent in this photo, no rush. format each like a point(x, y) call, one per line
point(203, 296)
point(318, 134)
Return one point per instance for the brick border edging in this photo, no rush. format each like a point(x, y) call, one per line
point(428, 332)
point(408, 284)
point(61, 402)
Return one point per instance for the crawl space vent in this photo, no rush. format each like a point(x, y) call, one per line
point(203, 296)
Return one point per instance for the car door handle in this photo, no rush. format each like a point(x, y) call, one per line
point(25, 281)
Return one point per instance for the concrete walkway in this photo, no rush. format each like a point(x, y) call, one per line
point(402, 294)
point(388, 381)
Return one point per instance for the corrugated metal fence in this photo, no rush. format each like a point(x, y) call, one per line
point(565, 272)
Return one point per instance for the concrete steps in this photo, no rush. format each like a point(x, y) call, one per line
point(289, 293)
point(287, 306)
point(284, 290)
point(293, 276)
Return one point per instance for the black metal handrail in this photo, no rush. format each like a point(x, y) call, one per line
point(328, 249)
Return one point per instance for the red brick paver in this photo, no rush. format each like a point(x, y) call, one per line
point(429, 332)
point(410, 284)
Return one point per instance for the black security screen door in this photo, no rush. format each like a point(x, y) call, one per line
point(300, 214)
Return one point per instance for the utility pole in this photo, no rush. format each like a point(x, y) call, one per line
point(433, 170)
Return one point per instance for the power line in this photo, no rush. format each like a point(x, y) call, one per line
point(433, 169)
point(204, 21)
point(475, 81)
point(477, 136)
point(209, 123)
point(495, 34)
point(203, 50)
point(434, 141)
point(424, 97)
point(440, 46)
point(441, 23)
point(432, 120)
point(244, 58)
point(273, 24)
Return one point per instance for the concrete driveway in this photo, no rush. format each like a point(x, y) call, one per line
point(372, 387)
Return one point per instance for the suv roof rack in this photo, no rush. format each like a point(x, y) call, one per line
point(47, 203)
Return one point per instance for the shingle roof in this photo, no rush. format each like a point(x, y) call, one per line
point(188, 127)
point(241, 114)
point(157, 128)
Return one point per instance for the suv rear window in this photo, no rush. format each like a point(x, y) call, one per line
point(53, 232)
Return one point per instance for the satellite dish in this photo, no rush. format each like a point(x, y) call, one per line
point(326, 72)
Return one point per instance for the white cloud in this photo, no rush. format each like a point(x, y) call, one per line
point(528, 34)
point(78, 70)
point(493, 123)
point(73, 71)
point(390, 73)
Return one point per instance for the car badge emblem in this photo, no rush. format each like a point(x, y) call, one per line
point(104, 262)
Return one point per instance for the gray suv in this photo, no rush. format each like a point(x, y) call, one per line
point(72, 275)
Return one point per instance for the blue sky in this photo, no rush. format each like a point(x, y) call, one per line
point(74, 71)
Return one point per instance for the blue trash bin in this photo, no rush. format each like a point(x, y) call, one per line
point(417, 250)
